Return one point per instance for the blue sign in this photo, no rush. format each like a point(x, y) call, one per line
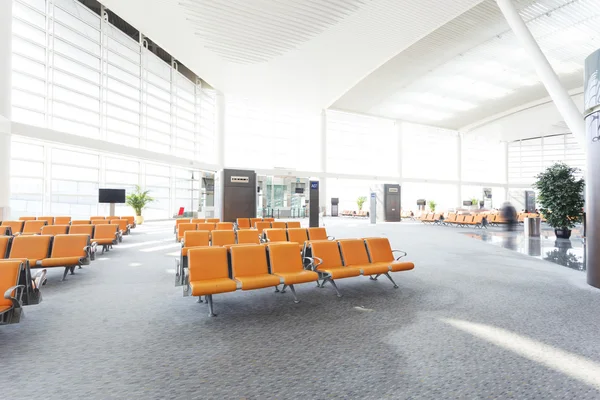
point(372, 195)
point(314, 185)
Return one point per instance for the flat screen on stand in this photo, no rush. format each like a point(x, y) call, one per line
point(111, 195)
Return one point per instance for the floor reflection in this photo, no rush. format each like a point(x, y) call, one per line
point(569, 253)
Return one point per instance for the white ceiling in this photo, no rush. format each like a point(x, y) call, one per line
point(473, 67)
point(302, 53)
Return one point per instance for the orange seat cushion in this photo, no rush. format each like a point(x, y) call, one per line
point(292, 278)
point(103, 241)
point(401, 266)
point(4, 309)
point(258, 281)
point(184, 250)
point(342, 272)
point(374, 269)
point(213, 286)
point(61, 261)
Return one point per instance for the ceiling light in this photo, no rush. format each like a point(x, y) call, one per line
point(410, 111)
point(442, 101)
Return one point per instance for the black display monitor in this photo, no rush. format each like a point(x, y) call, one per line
point(299, 190)
point(111, 195)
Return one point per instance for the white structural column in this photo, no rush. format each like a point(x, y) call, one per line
point(459, 169)
point(220, 144)
point(557, 92)
point(322, 182)
point(399, 137)
point(5, 104)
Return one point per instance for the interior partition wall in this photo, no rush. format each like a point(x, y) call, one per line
point(74, 72)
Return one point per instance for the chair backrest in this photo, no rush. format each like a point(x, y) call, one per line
point(436, 217)
point(62, 220)
point(49, 220)
point(4, 243)
point(353, 251)
point(297, 235)
point(16, 226)
point(31, 247)
point(253, 222)
point(268, 219)
point(70, 246)
point(97, 217)
point(329, 252)
point(460, 218)
point(243, 222)
point(196, 238)
point(275, 235)
point(9, 277)
point(206, 226)
point(248, 236)
point(100, 222)
point(491, 218)
point(81, 222)
point(221, 238)
point(213, 220)
point(33, 226)
point(111, 219)
point(183, 228)
point(206, 263)
point(198, 220)
point(261, 226)
point(278, 225)
point(122, 224)
point(293, 224)
point(82, 230)
point(285, 257)
point(179, 221)
point(317, 234)
point(478, 218)
point(26, 218)
point(379, 250)
point(56, 229)
point(130, 219)
point(105, 231)
point(468, 218)
point(248, 260)
point(224, 226)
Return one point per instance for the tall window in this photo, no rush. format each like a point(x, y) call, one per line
point(429, 153)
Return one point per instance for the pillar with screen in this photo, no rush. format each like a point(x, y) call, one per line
point(112, 197)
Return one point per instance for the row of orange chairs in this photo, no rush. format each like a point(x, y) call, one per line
point(181, 228)
point(215, 270)
point(19, 289)
point(31, 226)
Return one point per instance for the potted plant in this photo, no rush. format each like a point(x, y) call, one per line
point(432, 205)
point(560, 197)
point(138, 200)
point(360, 202)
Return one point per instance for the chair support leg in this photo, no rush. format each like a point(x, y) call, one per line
point(72, 269)
point(277, 289)
point(390, 278)
point(283, 290)
point(210, 306)
point(65, 274)
point(335, 287)
point(294, 294)
point(199, 299)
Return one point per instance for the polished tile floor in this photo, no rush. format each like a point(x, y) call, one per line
point(569, 253)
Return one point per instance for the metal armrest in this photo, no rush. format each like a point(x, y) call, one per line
point(330, 237)
point(312, 262)
point(8, 294)
point(400, 251)
point(39, 278)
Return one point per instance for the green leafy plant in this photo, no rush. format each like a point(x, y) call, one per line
point(138, 200)
point(360, 202)
point(474, 201)
point(432, 205)
point(560, 195)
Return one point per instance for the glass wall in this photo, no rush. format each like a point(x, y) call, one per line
point(75, 73)
point(50, 179)
point(429, 153)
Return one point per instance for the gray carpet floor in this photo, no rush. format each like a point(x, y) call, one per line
point(472, 321)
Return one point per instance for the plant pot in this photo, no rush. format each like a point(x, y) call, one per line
point(562, 233)
point(139, 220)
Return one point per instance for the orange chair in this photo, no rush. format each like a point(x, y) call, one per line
point(222, 238)
point(26, 218)
point(293, 224)
point(82, 230)
point(261, 226)
point(318, 234)
point(206, 226)
point(286, 263)
point(97, 217)
point(123, 227)
point(33, 248)
point(191, 239)
point(243, 223)
point(11, 305)
point(329, 264)
point(182, 228)
point(56, 229)
point(224, 226)
point(275, 235)
point(198, 220)
point(298, 236)
point(130, 220)
point(15, 226)
point(5, 242)
point(33, 227)
point(269, 219)
point(62, 220)
point(278, 225)
point(253, 222)
point(180, 221)
point(212, 220)
point(248, 236)
point(49, 220)
point(81, 222)
point(106, 235)
point(380, 252)
point(209, 274)
point(69, 251)
point(249, 268)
